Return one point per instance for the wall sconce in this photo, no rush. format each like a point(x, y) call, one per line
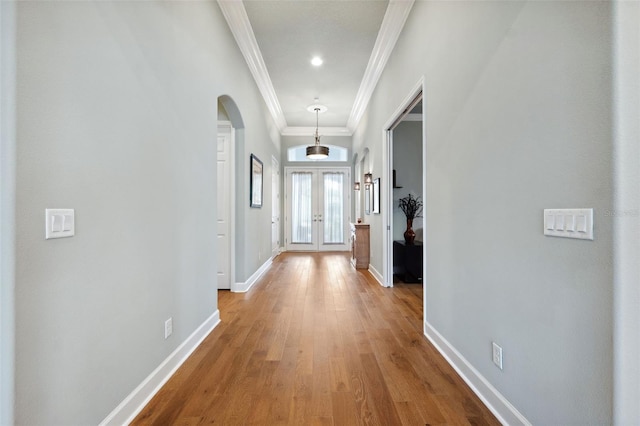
point(368, 179)
point(356, 186)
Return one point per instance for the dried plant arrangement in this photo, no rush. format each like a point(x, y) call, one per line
point(412, 207)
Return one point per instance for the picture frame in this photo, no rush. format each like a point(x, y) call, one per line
point(256, 182)
point(376, 196)
point(367, 199)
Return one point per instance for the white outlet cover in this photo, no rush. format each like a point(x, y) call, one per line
point(168, 328)
point(497, 355)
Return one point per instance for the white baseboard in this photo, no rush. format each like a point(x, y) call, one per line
point(128, 409)
point(377, 275)
point(245, 286)
point(504, 411)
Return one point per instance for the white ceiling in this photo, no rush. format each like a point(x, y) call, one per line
point(278, 38)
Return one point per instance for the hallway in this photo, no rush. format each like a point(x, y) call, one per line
point(317, 342)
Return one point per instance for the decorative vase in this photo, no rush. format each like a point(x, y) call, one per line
point(409, 234)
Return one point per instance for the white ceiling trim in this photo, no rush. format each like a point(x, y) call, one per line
point(238, 21)
point(310, 131)
point(392, 24)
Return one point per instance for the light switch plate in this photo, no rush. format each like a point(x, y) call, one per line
point(59, 223)
point(569, 223)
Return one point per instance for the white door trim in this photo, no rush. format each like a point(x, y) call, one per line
point(276, 205)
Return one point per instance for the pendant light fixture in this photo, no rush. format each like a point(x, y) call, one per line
point(368, 179)
point(317, 151)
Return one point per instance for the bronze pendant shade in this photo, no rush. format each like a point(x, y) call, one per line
point(317, 151)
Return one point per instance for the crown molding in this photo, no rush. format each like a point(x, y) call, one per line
point(238, 21)
point(310, 131)
point(392, 24)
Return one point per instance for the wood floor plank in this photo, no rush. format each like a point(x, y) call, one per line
point(316, 342)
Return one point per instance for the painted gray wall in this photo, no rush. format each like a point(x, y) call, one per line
point(518, 118)
point(407, 162)
point(117, 114)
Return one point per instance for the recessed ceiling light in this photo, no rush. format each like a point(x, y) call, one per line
point(316, 61)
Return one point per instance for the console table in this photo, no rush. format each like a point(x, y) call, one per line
point(407, 261)
point(360, 245)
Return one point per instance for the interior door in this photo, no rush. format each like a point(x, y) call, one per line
point(275, 207)
point(225, 159)
point(318, 203)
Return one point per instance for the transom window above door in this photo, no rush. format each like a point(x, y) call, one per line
point(299, 153)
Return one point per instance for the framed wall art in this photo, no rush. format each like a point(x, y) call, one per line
point(255, 182)
point(376, 196)
point(367, 199)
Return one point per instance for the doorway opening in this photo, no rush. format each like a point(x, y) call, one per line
point(404, 138)
point(406, 185)
point(229, 217)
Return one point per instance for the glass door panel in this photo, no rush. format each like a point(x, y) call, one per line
point(301, 208)
point(333, 224)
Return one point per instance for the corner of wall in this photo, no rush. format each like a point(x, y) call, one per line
point(7, 208)
point(626, 212)
point(243, 287)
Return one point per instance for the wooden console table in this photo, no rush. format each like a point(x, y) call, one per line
point(360, 245)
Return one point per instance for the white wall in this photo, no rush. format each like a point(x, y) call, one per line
point(518, 116)
point(116, 117)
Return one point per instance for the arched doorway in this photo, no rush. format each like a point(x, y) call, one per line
point(229, 138)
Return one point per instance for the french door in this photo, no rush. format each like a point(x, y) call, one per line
point(317, 209)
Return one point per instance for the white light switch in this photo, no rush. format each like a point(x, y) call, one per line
point(569, 223)
point(67, 222)
point(59, 223)
point(56, 223)
point(549, 221)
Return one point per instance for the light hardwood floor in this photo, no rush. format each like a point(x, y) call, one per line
point(317, 342)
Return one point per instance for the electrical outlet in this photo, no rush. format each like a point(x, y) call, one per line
point(168, 328)
point(497, 355)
